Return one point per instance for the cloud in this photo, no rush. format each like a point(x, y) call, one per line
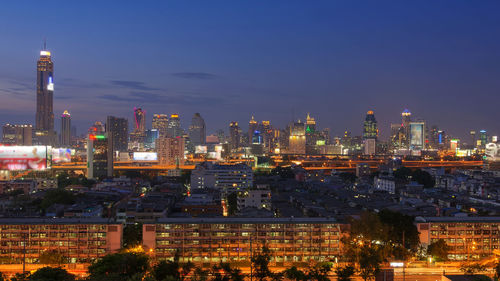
point(195, 75)
point(134, 85)
point(157, 98)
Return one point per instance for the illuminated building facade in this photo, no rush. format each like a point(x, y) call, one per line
point(160, 122)
point(252, 127)
point(417, 135)
point(170, 151)
point(209, 241)
point(234, 135)
point(227, 178)
point(17, 134)
point(174, 129)
point(99, 156)
point(197, 130)
point(469, 238)
point(80, 241)
point(370, 128)
point(483, 138)
point(65, 129)
point(44, 126)
point(297, 139)
point(140, 120)
point(118, 128)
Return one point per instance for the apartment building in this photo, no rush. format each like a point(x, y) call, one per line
point(209, 241)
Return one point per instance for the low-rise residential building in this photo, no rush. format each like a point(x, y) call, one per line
point(208, 241)
point(259, 198)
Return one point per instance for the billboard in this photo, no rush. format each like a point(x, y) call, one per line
point(202, 149)
point(62, 155)
point(492, 152)
point(416, 135)
point(145, 156)
point(15, 158)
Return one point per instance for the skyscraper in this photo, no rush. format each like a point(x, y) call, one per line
point(234, 135)
point(174, 126)
point(197, 130)
point(170, 151)
point(44, 126)
point(252, 127)
point(65, 129)
point(297, 139)
point(160, 122)
point(370, 128)
point(99, 155)
point(140, 120)
point(118, 128)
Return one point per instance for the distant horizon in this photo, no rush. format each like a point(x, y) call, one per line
point(229, 61)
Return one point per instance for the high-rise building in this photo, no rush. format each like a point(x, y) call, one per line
point(370, 128)
point(160, 122)
point(473, 137)
point(417, 135)
point(221, 136)
point(65, 129)
point(405, 127)
point(140, 120)
point(99, 156)
point(17, 134)
point(252, 127)
point(234, 135)
point(197, 130)
point(97, 128)
point(118, 128)
point(297, 139)
point(44, 126)
point(170, 150)
point(483, 138)
point(150, 138)
point(174, 129)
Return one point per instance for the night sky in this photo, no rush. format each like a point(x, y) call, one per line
point(273, 59)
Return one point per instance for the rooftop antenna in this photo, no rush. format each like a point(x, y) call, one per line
point(44, 43)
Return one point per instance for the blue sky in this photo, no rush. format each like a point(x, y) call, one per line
point(273, 59)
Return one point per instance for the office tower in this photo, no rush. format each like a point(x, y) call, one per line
point(140, 120)
point(221, 136)
point(99, 155)
point(65, 129)
point(252, 127)
point(483, 138)
point(369, 146)
point(150, 138)
point(226, 178)
point(174, 129)
point(370, 128)
point(297, 139)
point(97, 128)
point(473, 137)
point(160, 122)
point(234, 135)
point(17, 134)
point(170, 151)
point(266, 132)
point(405, 127)
point(197, 130)
point(44, 126)
point(417, 135)
point(118, 128)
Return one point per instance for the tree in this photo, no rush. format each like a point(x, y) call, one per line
point(348, 177)
point(319, 271)
point(403, 173)
point(369, 262)
point(51, 273)
point(2, 277)
point(439, 250)
point(118, 266)
point(132, 235)
point(399, 225)
point(232, 202)
point(369, 228)
point(57, 195)
point(260, 264)
point(199, 274)
point(172, 270)
point(283, 172)
point(20, 277)
point(225, 272)
point(472, 268)
point(52, 257)
point(293, 273)
point(345, 273)
point(424, 178)
point(497, 271)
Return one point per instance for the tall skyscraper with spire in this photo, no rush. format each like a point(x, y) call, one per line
point(44, 126)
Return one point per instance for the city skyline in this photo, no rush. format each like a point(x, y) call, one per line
point(442, 92)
